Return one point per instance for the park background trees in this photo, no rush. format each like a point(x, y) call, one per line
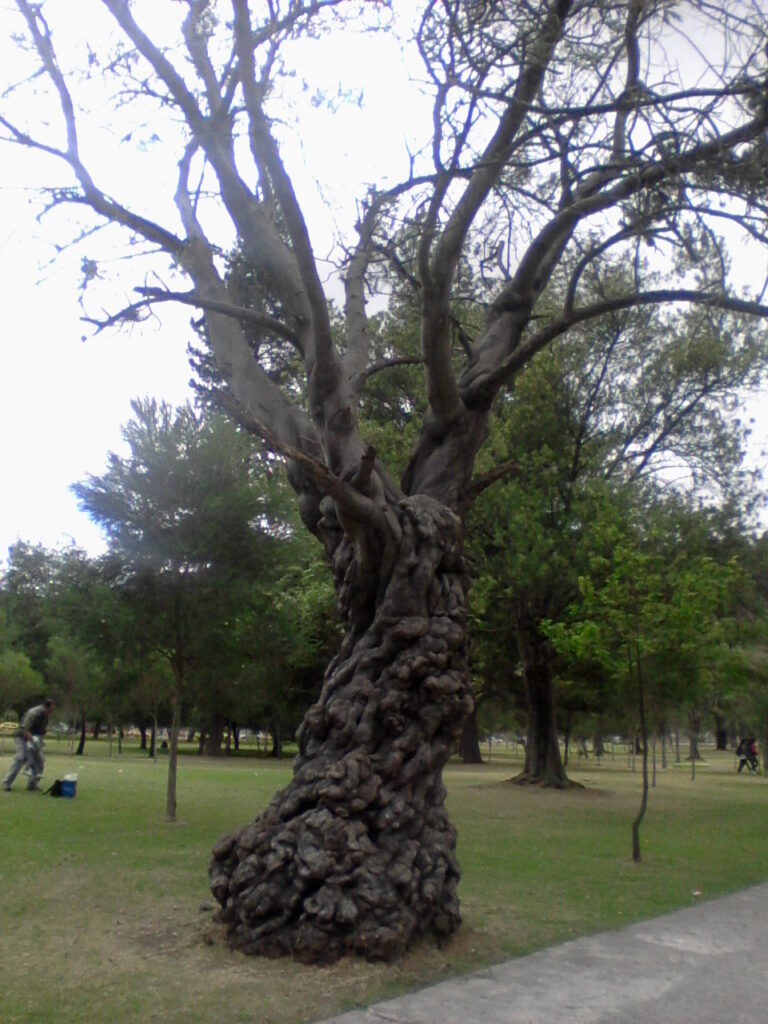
point(641, 401)
point(563, 141)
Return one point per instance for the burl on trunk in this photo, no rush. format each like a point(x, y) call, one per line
point(357, 854)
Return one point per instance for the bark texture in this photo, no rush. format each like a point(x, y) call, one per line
point(357, 853)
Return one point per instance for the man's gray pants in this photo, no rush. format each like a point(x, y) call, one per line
point(25, 753)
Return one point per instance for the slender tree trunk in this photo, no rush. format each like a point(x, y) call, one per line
point(173, 752)
point(653, 765)
point(543, 763)
point(153, 741)
point(566, 739)
point(644, 739)
point(276, 735)
point(357, 854)
point(693, 740)
point(469, 747)
point(81, 744)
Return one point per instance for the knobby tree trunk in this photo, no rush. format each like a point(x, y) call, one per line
point(543, 763)
point(357, 853)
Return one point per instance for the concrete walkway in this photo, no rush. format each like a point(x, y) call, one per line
point(707, 964)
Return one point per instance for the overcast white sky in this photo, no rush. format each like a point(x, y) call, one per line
point(62, 399)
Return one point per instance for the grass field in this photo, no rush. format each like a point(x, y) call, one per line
point(106, 915)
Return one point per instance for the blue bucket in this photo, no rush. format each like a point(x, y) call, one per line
point(69, 785)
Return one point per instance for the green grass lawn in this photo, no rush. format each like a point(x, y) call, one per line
point(106, 913)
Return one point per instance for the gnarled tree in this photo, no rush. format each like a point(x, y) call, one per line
point(563, 133)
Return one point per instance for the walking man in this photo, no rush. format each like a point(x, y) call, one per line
point(28, 740)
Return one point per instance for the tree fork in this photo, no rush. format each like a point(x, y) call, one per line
point(357, 854)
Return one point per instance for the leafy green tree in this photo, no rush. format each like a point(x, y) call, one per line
point(19, 682)
point(28, 583)
point(640, 397)
point(287, 674)
point(188, 535)
point(650, 613)
point(79, 680)
point(151, 692)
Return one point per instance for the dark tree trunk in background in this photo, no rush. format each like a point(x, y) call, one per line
point(721, 736)
point(357, 853)
point(276, 737)
point(214, 738)
point(694, 720)
point(173, 751)
point(543, 763)
point(566, 739)
point(81, 743)
point(469, 746)
point(143, 735)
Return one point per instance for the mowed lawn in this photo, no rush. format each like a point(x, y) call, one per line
point(106, 914)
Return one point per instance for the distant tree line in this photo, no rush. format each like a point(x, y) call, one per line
point(594, 569)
